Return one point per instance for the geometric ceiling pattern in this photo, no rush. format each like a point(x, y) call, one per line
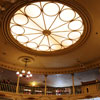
point(46, 26)
point(86, 53)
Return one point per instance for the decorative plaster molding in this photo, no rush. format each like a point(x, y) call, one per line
point(67, 70)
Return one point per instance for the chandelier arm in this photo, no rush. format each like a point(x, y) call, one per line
point(26, 60)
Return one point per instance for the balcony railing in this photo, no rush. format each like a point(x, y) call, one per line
point(8, 87)
point(38, 90)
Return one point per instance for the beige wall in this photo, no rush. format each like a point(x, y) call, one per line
point(89, 88)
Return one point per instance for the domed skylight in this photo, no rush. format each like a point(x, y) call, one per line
point(46, 26)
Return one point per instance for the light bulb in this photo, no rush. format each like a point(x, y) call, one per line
point(17, 73)
point(23, 71)
point(30, 75)
point(28, 72)
point(27, 76)
point(20, 75)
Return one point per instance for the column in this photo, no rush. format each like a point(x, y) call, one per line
point(97, 87)
point(73, 83)
point(45, 91)
point(17, 87)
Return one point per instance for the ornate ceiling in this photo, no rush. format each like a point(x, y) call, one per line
point(86, 54)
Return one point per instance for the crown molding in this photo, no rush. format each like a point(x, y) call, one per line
point(67, 70)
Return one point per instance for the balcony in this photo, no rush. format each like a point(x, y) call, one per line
point(8, 90)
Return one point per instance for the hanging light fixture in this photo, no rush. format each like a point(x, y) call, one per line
point(24, 72)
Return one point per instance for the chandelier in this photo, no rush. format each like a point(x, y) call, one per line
point(24, 72)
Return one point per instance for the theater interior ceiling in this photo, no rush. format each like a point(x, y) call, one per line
point(85, 54)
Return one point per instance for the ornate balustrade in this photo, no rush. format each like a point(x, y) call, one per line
point(8, 87)
point(8, 92)
point(35, 90)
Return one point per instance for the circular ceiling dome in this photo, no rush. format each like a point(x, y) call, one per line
point(47, 27)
